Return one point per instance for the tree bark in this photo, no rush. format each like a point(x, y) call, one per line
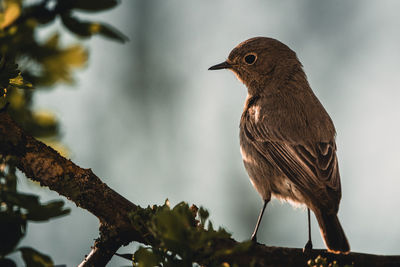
point(41, 163)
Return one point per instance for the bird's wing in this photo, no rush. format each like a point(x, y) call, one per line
point(312, 167)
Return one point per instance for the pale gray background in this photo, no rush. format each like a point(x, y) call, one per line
point(153, 123)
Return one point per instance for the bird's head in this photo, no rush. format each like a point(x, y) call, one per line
point(257, 61)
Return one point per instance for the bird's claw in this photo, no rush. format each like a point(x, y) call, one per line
point(308, 247)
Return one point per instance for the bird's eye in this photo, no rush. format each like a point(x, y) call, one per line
point(250, 59)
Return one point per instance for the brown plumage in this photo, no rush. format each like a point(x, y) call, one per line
point(287, 138)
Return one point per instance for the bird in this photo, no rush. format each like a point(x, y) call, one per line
point(287, 138)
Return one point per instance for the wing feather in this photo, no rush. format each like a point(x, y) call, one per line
point(311, 166)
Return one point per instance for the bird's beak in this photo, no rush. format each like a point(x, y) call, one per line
point(220, 66)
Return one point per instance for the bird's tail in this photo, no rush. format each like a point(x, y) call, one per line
point(332, 232)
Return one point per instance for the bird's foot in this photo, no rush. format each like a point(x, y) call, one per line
point(254, 238)
point(308, 247)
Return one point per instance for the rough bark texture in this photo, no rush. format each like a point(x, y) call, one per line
point(43, 164)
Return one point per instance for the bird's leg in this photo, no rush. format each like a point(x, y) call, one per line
point(309, 245)
point(254, 235)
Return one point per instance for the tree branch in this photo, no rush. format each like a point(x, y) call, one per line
point(104, 248)
point(279, 256)
point(43, 164)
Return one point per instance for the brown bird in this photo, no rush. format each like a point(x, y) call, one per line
point(287, 138)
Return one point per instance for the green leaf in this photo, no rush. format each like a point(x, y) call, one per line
point(48, 211)
point(81, 28)
point(26, 201)
point(10, 77)
point(86, 29)
point(12, 229)
point(145, 257)
point(203, 215)
point(94, 5)
point(19, 82)
point(35, 211)
point(177, 237)
point(58, 63)
point(109, 32)
point(8, 70)
point(34, 258)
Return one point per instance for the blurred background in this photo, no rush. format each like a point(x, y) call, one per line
point(151, 121)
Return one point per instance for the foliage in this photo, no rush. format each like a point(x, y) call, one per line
point(34, 258)
point(323, 262)
point(178, 237)
point(28, 64)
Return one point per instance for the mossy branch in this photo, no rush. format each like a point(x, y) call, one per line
point(176, 232)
